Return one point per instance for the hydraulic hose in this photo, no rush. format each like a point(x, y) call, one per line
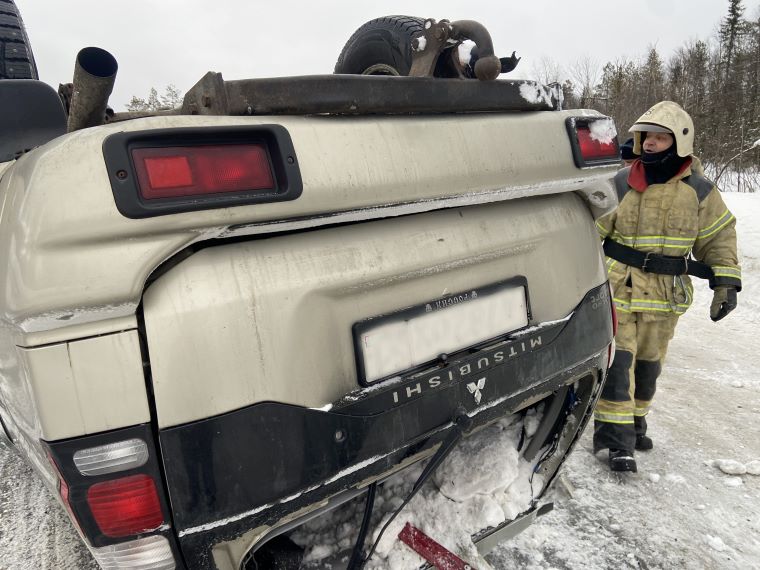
point(357, 555)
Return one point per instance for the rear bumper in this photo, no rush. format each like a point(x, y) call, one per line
point(258, 465)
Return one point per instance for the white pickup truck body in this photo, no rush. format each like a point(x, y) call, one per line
point(249, 352)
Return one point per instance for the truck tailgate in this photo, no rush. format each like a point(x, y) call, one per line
point(271, 319)
point(259, 403)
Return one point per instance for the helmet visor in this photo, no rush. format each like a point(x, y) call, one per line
point(649, 128)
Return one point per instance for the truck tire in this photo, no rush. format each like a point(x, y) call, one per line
point(382, 46)
point(16, 59)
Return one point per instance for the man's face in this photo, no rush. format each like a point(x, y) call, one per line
point(657, 142)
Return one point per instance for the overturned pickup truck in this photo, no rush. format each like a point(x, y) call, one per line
point(224, 321)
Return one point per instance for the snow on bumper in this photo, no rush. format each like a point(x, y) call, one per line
point(260, 464)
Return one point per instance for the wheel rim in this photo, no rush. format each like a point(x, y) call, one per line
point(380, 69)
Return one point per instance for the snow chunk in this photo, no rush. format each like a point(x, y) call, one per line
point(483, 483)
point(733, 482)
point(715, 542)
point(737, 384)
point(440, 519)
point(753, 467)
point(318, 552)
point(730, 466)
point(460, 478)
point(654, 477)
point(535, 93)
point(518, 496)
point(421, 43)
point(756, 143)
point(464, 51)
point(532, 421)
point(603, 130)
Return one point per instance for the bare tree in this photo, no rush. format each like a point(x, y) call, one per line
point(585, 74)
point(546, 71)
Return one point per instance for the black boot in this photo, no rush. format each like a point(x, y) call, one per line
point(622, 460)
point(644, 442)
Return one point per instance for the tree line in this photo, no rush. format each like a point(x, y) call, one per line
point(716, 80)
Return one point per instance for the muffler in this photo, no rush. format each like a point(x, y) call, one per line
point(94, 78)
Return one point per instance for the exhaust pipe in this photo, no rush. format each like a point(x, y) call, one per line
point(488, 66)
point(94, 77)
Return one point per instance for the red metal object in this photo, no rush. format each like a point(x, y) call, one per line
point(430, 550)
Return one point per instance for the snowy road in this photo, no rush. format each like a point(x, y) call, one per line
point(679, 511)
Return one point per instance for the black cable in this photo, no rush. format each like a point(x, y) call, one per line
point(462, 424)
point(523, 431)
point(357, 555)
point(571, 400)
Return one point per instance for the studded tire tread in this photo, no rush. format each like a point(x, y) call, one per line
point(16, 58)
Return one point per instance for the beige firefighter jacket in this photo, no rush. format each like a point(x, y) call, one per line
point(683, 216)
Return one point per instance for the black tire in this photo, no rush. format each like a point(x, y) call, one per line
point(16, 58)
point(382, 46)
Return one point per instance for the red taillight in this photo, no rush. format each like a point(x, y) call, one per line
point(167, 172)
point(594, 149)
point(172, 172)
point(125, 506)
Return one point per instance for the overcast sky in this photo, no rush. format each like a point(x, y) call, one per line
point(160, 42)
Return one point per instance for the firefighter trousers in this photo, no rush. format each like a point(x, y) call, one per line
point(641, 344)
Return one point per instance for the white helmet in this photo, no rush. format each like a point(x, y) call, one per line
point(666, 117)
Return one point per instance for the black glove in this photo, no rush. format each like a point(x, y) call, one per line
point(724, 301)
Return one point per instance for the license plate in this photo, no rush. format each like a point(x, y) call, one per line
point(390, 344)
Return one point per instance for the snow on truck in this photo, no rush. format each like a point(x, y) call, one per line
point(222, 322)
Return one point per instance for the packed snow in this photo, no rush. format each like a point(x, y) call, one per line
point(535, 93)
point(482, 483)
point(464, 51)
point(693, 503)
point(603, 130)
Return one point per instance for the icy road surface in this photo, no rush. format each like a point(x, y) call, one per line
point(689, 506)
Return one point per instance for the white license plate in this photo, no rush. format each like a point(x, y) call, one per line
point(394, 343)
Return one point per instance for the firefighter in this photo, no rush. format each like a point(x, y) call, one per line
point(671, 224)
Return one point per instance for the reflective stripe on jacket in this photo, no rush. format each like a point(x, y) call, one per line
point(682, 216)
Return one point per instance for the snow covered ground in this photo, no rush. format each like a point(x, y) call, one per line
point(679, 510)
point(688, 507)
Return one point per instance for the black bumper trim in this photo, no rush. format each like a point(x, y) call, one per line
point(252, 467)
